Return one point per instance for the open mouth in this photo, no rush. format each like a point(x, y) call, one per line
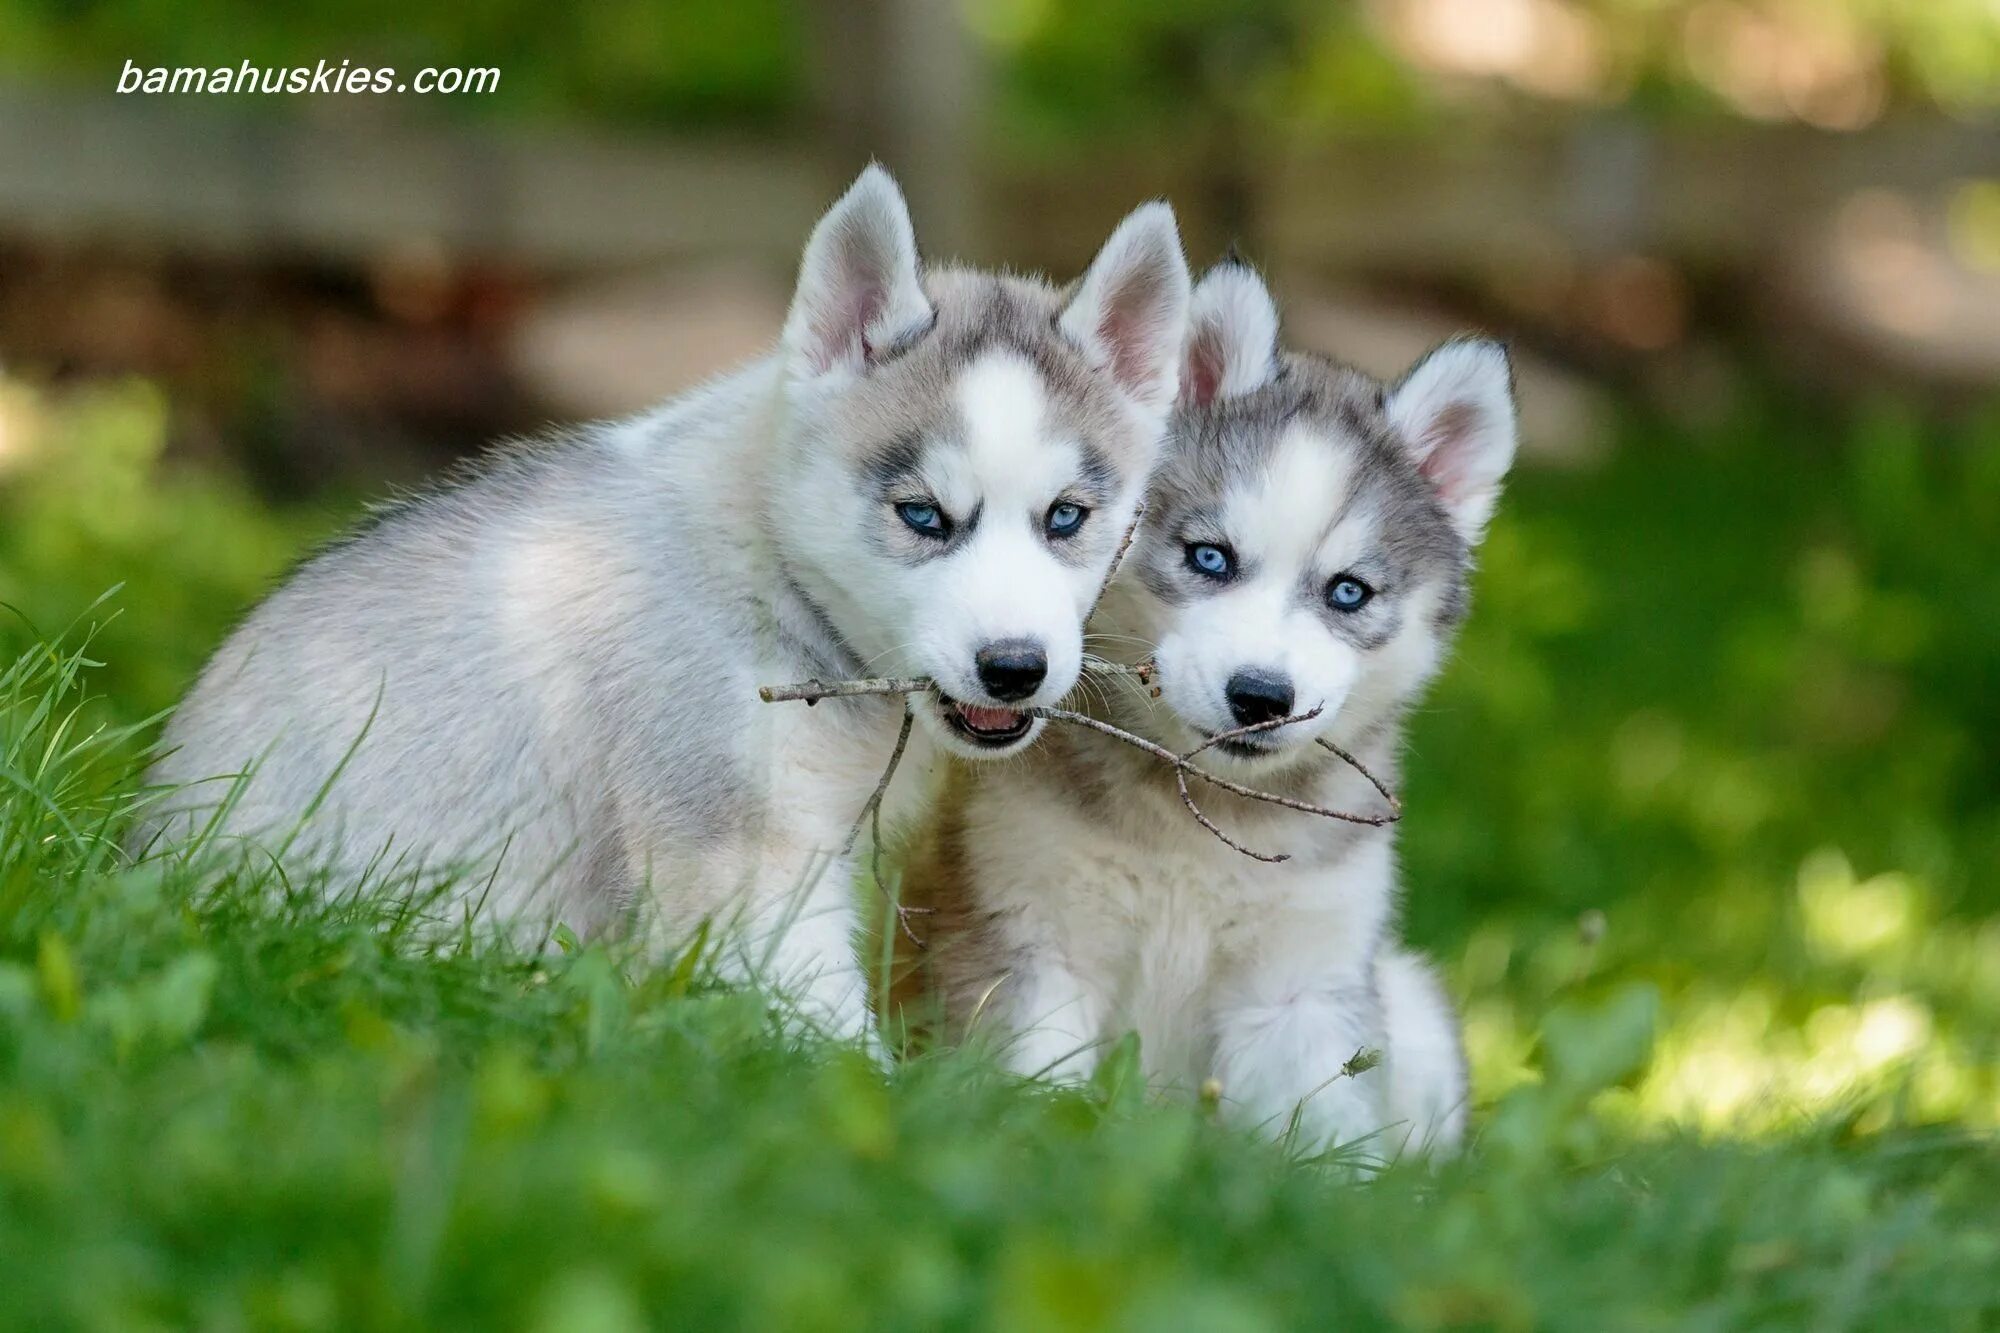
point(986, 726)
point(1246, 747)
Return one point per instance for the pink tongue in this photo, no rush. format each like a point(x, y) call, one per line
point(988, 719)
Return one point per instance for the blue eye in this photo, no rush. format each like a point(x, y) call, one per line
point(1348, 593)
point(1214, 561)
point(925, 518)
point(1064, 519)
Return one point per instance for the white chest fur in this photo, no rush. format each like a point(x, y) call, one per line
point(1160, 929)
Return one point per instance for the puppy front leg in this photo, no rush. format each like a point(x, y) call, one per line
point(794, 933)
point(1054, 1023)
point(1282, 1056)
point(814, 964)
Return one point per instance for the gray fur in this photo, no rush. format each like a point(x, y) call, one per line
point(541, 677)
point(1215, 446)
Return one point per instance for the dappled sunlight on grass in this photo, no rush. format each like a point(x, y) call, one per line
point(1853, 920)
point(1855, 1034)
point(1752, 758)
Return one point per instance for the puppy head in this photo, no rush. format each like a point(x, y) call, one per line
point(1311, 530)
point(962, 452)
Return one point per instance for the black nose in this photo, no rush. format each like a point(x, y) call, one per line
point(1012, 668)
point(1258, 696)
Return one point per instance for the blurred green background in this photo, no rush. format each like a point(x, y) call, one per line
point(1726, 721)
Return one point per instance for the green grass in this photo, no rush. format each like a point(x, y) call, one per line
point(1705, 825)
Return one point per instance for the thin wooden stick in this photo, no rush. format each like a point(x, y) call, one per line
point(1144, 673)
point(882, 783)
point(811, 692)
point(1187, 799)
point(1255, 728)
point(871, 814)
point(1117, 559)
point(1362, 769)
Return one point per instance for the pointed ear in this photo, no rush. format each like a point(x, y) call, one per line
point(859, 289)
point(1455, 411)
point(1232, 343)
point(1129, 314)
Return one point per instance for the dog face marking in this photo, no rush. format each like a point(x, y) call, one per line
point(965, 453)
point(1311, 531)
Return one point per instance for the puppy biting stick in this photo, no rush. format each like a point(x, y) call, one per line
point(810, 692)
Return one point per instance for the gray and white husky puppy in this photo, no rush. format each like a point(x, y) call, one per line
point(542, 679)
point(1307, 546)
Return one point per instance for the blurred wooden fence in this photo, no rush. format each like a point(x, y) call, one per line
point(170, 172)
point(173, 173)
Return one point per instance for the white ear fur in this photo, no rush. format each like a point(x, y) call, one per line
point(1129, 314)
point(859, 288)
point(1455, 410)
point(1232, 335)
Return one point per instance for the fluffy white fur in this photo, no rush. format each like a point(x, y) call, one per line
point(1232, 336)
point(539, 683)
point(1076, 899)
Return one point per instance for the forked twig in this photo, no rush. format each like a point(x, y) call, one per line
point(1144, 672)
point(811, 692)
point(1183, 765)
point(871, 814)
point(1362, 769)
point(1181, 771)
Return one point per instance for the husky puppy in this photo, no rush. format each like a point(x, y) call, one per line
point(542, 678)
point(1307, 546)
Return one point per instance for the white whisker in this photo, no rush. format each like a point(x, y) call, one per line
point(869, 664)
